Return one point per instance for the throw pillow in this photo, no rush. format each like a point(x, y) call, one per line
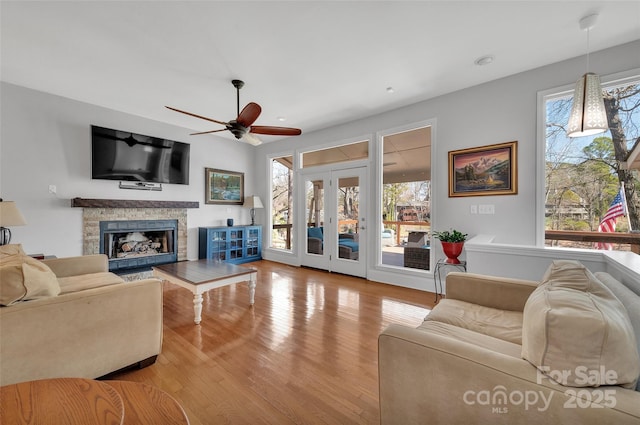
point(577, 332)
point(23, 278)
point(10, 249)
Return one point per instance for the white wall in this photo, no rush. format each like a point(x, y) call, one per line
point(500, 111)
point(46, 140)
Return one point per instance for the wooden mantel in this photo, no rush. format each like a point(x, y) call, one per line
point(131, 203)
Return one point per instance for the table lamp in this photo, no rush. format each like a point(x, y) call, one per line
point(253, 202)
point(9, 216)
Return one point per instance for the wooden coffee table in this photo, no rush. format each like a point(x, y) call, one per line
point(203, 275)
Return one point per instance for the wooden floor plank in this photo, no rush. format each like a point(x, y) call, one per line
point(305, 353)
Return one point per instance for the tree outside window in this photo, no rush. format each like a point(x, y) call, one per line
point(282, 202)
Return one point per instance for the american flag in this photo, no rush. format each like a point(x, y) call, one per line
point(608, 222)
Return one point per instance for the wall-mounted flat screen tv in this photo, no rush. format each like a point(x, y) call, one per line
point(121, 155)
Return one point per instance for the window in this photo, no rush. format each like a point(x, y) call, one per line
point(336, 154)
point(282, 203)
point(583, 175)
point(406, 197)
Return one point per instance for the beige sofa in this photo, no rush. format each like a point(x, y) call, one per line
point(479, 356)
point(87, 322)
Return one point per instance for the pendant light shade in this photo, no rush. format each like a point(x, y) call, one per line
point(588, 116)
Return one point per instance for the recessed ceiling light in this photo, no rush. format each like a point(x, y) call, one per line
point(281, 118)
point(484, 60)
point(390, 89)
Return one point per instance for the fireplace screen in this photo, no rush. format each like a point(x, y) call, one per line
point(138, 243)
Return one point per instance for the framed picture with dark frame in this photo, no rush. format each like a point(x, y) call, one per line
point(223, 187)
point(485, 170)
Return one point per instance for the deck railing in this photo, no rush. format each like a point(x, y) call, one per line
point(631, 239)
point(397, 226)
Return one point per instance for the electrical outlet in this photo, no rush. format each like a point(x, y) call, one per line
point(474, 209)
point(486, 209)
point(53, 189)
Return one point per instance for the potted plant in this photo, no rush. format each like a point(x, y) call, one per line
point(452, 243)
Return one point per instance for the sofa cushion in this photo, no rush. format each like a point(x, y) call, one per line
point(502, 324)
point(87, 281)
point(577, 332)
point(23, 278)
point(496, 346)
point(314, 232)
point(349, 243)
point(631, 303)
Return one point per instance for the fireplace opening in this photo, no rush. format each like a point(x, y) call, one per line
point(138, 244)
point(135, 244)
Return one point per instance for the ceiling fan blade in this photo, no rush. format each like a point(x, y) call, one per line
point(249, 114)
point(251, 139)
point(196, 115)
point(207, 132)
point(275, 131)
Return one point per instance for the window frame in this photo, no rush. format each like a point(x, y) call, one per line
point(267, 234)
point(543, 96)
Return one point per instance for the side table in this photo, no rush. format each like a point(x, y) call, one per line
point(81, 401)
point(61, 400)
point(437, 273)
point(146, 404)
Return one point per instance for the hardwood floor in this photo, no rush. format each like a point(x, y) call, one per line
point(305, 353)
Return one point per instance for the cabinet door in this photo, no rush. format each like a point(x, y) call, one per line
point(218, 244)
point(236, 243)
point(253, 242)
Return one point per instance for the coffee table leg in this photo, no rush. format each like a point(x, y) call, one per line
point(197, 308)
point(252, 288)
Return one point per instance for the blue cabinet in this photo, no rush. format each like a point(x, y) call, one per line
point(237, 244)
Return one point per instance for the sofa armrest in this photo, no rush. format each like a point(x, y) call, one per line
point(490, 291)
point(82, 264)
point(81, 334)
point(439, 378)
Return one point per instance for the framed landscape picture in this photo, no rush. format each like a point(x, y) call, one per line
point(223, 187)
point(485, 170)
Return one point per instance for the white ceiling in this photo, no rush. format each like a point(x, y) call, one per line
point(316, 63)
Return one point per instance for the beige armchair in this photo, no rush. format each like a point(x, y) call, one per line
point(92, 324)
point(464, 364)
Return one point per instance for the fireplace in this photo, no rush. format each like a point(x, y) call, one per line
point(136, 244)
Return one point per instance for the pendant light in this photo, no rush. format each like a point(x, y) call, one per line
point(588, 116)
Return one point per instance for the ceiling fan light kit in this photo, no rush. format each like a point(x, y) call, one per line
point(241, 127)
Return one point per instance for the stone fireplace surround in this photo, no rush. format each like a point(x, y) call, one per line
point(97, 210)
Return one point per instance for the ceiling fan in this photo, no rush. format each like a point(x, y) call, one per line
point(242, 127)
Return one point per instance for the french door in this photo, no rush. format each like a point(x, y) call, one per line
point(335, 234)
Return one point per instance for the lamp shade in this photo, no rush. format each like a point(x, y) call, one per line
point(10, 215)
point(588, 116)
point(253, 202)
